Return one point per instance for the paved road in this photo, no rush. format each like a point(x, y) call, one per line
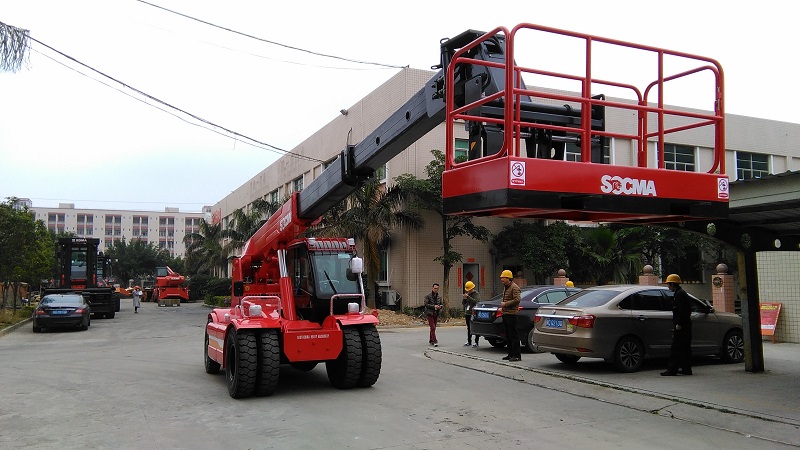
point(137, 381)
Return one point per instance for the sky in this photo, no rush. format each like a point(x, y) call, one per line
point(94, 116)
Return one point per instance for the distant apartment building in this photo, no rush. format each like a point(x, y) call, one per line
point(165, 230)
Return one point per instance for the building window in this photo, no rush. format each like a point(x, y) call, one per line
point(461, 152)
point(383, 272)
point(751, 165)
point(297, 184)
point(380, 174)
point(679, 157)
point(273, 197)
point(572, 152)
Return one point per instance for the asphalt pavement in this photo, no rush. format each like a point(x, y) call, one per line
point(725, 396)
point(764, 405)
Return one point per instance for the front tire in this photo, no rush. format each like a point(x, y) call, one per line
point(344, 372)
point(733, 347)
point(628, 355)
point(241, 362)
point(529, 341)
point(372, 356)
point(269, 361)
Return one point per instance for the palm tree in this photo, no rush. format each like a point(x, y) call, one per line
point(14, 46)
point(613, 255)
point(369, 215)
point(204, 249)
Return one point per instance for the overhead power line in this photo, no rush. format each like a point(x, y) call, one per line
point(324, 55)
point(236, 135)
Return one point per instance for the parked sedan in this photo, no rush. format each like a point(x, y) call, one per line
point(487, 317)
point(628, 323)
point(62, 310)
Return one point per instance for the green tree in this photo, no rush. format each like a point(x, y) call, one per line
point(369, 215)
point(27, 251)
point(204, 252)
point(542, 249)
point(612, 255)
point(134, 259)
point(427, 194)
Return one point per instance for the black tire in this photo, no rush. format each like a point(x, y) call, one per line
point(211, 366)
point(372, 356)
point(529, 341)
point(496, 343)
point(628, 355)
point(567, 359)
point(85, 326)
point(37, 329)
point(304, 366)
point(269, 362)
point(241, 362)
point(733, 347)
point(344, 372)
point(111, 315)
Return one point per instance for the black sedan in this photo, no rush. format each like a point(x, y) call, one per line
point(61, 310)
point(487, 318)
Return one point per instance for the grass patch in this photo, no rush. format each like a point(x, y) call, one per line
point(9, 317)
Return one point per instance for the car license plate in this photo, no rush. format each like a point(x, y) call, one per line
point(59, 311)
point(554, 323)
point(484, 314)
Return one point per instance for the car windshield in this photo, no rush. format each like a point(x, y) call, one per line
point(589, 298)
point(73, 300)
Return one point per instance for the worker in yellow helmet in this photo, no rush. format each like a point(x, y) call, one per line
point(471, 298)
point(510, 306)
point(681, 350)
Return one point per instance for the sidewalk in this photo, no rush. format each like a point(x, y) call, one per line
point(764, 405)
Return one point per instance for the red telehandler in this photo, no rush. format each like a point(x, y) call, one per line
point(169, 289)
point(301, 300)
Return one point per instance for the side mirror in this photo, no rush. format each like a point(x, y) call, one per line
point(238, 288)
point(357, 265)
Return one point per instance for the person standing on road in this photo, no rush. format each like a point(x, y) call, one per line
point(471, 298)
point(680, 356)
point(510, 307)
point(137, 297)
point(433, 303)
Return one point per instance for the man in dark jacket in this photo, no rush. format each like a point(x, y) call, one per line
point(510, 306)
point(433, 303)
point(681, 351)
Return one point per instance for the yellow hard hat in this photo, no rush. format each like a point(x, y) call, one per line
point(506, 274)
point(570, 284)
point(673, 278)
point(469, 285)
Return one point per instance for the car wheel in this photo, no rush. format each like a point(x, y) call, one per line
point(567, 359)
point(733, 347)
point(628, 355)
point(496, 343)
point(529, 341)
point(85, 326)
point(111, 315)
point(36, 329)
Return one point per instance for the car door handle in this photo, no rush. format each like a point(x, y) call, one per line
point(641, 318)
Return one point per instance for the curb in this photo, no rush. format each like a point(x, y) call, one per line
point(11, 328)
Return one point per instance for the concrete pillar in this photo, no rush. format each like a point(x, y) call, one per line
point(723, 290)
point(560, 279)
point(648, 278)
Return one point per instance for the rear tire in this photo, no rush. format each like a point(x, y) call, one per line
point(211, 366)
point(111, 315)
point(372, 356)
point(85, 326)
point(628, 355)
point(344, 372)
point(733, 347)
point(241, 362)
point(529, 342)
point(567, 359)
point(37, 329)
point(269, 361)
